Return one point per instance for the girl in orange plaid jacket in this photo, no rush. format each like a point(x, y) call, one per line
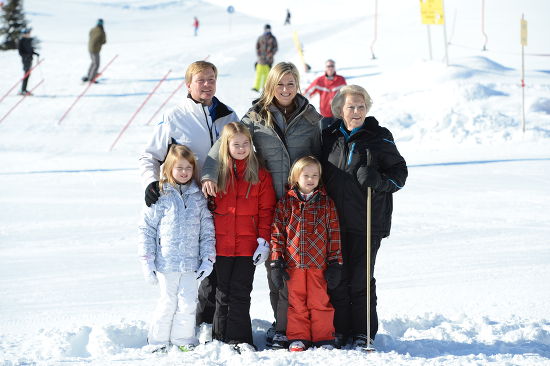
point(306, 253)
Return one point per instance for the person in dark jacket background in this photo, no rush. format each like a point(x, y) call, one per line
point(358, 153)
point(96, 41)
point(266, 47)
point(26, 51)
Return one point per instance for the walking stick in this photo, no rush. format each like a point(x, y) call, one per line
point(369, 348)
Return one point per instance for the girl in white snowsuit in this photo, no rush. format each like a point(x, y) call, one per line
point(177, 250)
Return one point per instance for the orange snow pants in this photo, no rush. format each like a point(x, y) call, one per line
point(310, 314)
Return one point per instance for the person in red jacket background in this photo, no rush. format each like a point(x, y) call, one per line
point(243, 213)
point(327, 86)
point(306, 252)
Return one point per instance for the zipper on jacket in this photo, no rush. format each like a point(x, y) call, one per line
point(209, 126)
point(350, 155)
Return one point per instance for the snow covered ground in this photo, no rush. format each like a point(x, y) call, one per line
point(463, 279)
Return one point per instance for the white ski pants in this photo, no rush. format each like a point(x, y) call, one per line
point(174, 317)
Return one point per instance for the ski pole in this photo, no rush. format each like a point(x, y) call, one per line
point(369, 244)
point(166, 101)
point(26, 74)
point(139, 109)
point(84, 91)
point(20, 100)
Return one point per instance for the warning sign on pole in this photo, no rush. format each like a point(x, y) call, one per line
point(432, 11)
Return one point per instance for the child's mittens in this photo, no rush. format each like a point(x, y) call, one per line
point(279, 273)
point(261, 253)
point(333, 275)
point(150, 275)
point(206, 267)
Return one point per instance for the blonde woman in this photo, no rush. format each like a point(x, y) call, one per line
point(284, 128)
point(243, 213)
point(177, 250)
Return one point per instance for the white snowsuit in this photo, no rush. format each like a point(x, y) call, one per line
point(175, 235)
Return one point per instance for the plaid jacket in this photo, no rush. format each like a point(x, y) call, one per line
point(306, 234)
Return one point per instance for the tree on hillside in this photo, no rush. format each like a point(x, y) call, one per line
point(12, 23)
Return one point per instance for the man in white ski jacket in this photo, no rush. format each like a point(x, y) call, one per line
point(196, 123)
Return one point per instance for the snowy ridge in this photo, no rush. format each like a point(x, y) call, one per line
point(428, 337)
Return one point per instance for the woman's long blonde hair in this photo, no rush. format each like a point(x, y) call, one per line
point(225, 175)
point(268, 94)
point(175, 153)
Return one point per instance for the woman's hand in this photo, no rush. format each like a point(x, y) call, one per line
point(209, 188)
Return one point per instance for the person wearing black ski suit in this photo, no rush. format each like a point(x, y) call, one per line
point(26, 51)
point(347, 176)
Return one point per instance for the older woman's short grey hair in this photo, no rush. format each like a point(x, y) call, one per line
point(340, 98)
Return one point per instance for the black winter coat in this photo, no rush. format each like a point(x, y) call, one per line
point(342, 155)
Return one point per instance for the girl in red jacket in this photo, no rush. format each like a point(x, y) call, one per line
point(243, 213)
point(306, 253)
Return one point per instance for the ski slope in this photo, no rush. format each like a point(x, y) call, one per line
point(463, 278)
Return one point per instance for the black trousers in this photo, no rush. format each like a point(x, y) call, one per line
point(279, 301)
point(350, 297)
point(27, 64)
point(207, 299)
point(232, 322)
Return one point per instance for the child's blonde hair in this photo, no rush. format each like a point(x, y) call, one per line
point(175, 153)
point(230, 130)
point(298, 166)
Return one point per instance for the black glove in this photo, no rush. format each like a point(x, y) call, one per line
point(368, 176)
point(152, 193)
point(278, 273)
point(333, 275)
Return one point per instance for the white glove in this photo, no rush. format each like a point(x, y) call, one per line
point(150, 275)
point(205, 269)
point(261, 253)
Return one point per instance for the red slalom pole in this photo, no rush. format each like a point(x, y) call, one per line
point(139, 109)
point(85, 90)
point(166, 101)
point(20, 100)
point(17, 83)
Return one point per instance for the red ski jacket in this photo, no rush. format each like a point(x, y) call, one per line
point(327, 89)
point(244, 213)
point(306, 234)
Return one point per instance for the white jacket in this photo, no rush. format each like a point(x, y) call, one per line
point(177, 233)
point(188, 124)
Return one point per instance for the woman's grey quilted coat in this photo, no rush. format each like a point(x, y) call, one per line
point(177, 232)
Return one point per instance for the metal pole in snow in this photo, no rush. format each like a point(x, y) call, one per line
point(139, 109)
point(483, 24)
point(85, 90)
point(26, 74)
point(523, 44)
point(20, 100)
point(166, 101)
point(445, 35)
point(375, 28)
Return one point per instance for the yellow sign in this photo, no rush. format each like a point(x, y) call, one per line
point(432, 11)
point(523, 32)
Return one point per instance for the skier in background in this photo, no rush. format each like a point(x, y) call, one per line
point(196, 26)
point(287, 19)
point(266, 47)
point(96, 40)
point(26, 51)
point(326, 86)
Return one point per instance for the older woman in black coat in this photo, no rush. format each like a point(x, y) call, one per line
point(358, 153)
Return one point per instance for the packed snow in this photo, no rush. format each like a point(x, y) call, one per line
point(463, 278)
